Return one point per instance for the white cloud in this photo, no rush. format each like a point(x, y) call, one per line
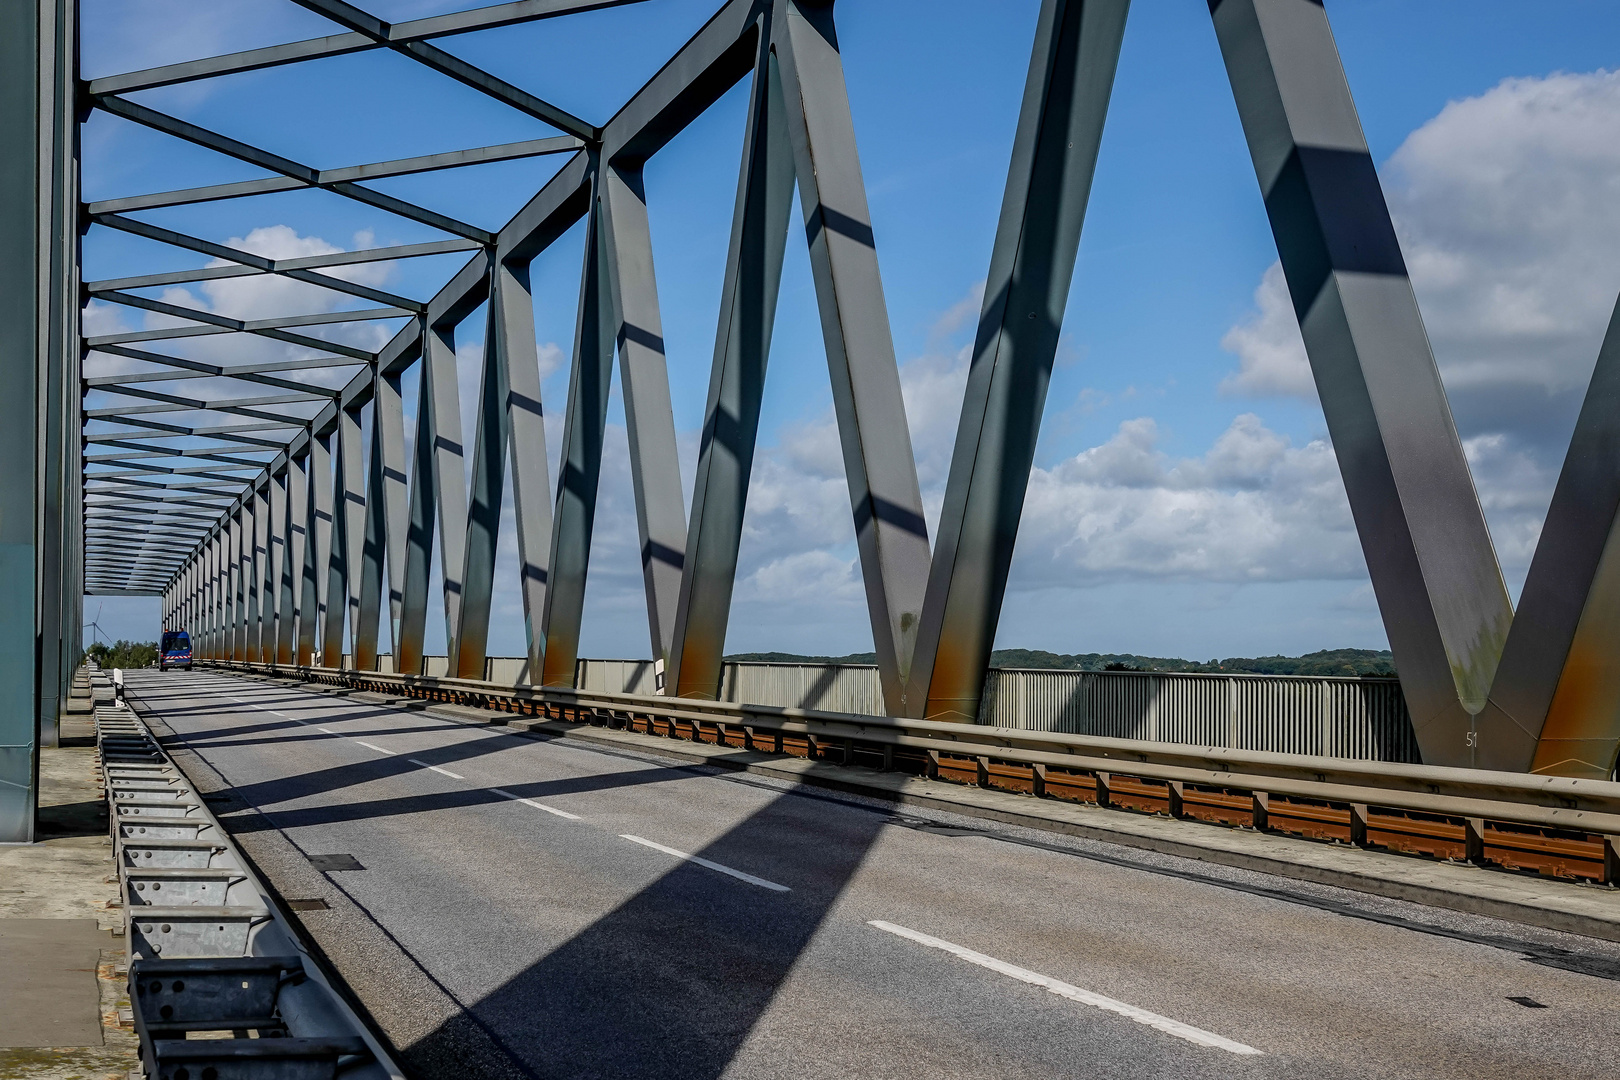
point(1253, 508)
point(1268, 346)
point(1508, 209)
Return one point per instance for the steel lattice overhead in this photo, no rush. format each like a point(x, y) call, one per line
point(273, 504)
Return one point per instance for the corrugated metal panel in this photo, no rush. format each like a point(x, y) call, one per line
point(1364, 719)
point(616, 676)
point(850, 688)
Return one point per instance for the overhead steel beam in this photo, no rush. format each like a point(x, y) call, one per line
point(179, 368)
point(444, 63)
point(1060, 126)
point(1433, 569)
point(748, 296)
point(249, 263)
point(459, 22)
point(454, 159)
point(223, 144)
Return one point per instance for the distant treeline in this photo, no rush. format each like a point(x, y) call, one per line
point(1326, 662)
point(123, 654)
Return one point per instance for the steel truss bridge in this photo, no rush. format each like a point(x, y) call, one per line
point(269, 517)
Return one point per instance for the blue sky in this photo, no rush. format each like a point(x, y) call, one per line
point(1185, 501)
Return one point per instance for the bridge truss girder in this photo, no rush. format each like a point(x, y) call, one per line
point(285, 539)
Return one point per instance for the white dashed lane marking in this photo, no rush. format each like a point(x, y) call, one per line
point(1062, 989)
point(536, 805)
point(717, 867)
point(435, 768)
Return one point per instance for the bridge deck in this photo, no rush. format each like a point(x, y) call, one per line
point(504, 923)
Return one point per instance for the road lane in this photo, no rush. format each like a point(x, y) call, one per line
point(583, 953)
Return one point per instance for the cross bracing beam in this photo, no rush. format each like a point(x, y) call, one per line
point(460, 22)
point(444, 63)
point(453, 159)
point(224, 324)
point(264, 159)
point(249, 263)
point(178, 368)
point(136, 452)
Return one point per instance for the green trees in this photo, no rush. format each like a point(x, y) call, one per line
point(123, 654)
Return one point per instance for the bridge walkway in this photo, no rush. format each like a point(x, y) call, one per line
point(509, 906)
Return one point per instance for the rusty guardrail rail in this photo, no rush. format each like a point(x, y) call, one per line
point(1557, 826)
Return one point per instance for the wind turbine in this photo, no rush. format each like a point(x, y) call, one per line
point(94, 625)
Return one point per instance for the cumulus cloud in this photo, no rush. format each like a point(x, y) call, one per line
point(1254, 507)
point(1508, 209)
point(1268, 346)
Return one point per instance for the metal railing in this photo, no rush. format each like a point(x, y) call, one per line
point(1558, 826)
point(211, 958)
point(1358, 718)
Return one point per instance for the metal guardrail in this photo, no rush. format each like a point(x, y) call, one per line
point(1362, 718)
point(1557, 826)
point(219, 982)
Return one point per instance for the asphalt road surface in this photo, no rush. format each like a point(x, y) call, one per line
point(535, 908)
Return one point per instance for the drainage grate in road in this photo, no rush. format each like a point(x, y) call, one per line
point(335, 862)
point(308, 905)
point(1527, 1002)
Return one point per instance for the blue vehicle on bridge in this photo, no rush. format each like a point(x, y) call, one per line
point(174, 650)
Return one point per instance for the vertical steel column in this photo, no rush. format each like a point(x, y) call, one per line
point(389, 503)
point(449, 469)
point(351, 522)
point(1555, 703)
point(314, 611)
point(26, 51)
point(742, 346)
point(61, 399)
point(241, 543)
point(275, 608)
point(368, 560)
point(655, 468)
point(574, 515)
point(264, 503)
point(1433, 569)
point(423, 507)
point(210, 562)
point(292, 574)
point(471, 634)
point(337, 581)
point(259, 596)
point(1060, 126)
point(531, 464)
point(882, 474)
point(438, 498)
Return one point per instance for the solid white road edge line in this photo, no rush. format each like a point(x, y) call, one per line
point(370, 746)
point(1073, 993)
point(435, 768)
point(531, 802)
point(717, 867)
